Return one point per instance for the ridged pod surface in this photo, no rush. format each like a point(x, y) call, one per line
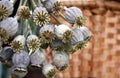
point(72, 13)
point(37, 58)
point(86, 32)
point(21, 60)
point(9, 24)
point(53, 6)
point(6, 54)
point(77, 36)
point(61, 60)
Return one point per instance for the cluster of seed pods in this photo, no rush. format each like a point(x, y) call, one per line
point(23, 45)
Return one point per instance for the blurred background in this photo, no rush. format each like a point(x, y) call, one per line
point(101, 58)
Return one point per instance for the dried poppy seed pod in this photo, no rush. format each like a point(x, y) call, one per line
point(21, 60)
point(64, 33)
point(41, 16)
point(17, 74)
point(57, 7)
point(8, 28)
point(58, 45)
point(74, 16)
point(6, 8)
point(72, 13)
point(37, 58)
point(48, 4)
point(23, 12)
point(86, 32)
point(49, 70)
point(18, 43)
point(53, 5)
point(47, 33)
point(77, 40)
point(61, 60)
point(33, 42)
point(77, 36)
point(6, 54)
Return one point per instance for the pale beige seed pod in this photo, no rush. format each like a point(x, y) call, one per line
point(33, 42)
point(18, 43)
point(8, 28)
point(6, 8)
point(23, 12)
point(64, 33)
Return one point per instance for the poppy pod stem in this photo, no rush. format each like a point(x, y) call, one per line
point(39, 2)
point(56, 19)
point(25, 2)
point(33, 3)
point(61, 15)
point(21, 1)
point(27, 30)
point(30, 52)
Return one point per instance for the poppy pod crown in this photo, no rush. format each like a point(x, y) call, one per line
point(41, 16)
point(6, 8)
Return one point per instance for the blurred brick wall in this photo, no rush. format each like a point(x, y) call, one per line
point(101, 58)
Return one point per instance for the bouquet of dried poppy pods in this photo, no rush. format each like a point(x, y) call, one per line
point(25, 36)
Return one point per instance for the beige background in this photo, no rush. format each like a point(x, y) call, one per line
point(101, 58)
